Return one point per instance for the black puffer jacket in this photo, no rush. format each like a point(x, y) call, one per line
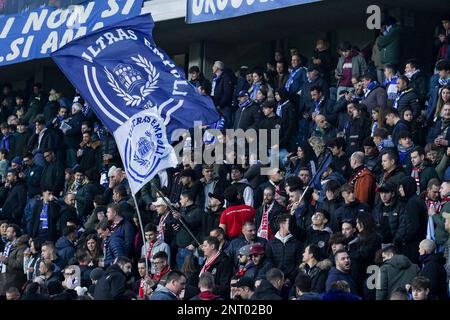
point(415, 219)
point(13, 201)
point(409, 100)
point(266, 291)
point(285, 254)
point(433, 269)
point(388, 221)
point(112, 285)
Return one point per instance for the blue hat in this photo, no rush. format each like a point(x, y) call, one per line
point(242, 93)
point(17, 160)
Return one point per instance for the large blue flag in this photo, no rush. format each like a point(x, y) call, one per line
point(137, 91)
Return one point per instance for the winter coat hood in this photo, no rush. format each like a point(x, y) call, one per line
point(400, 262)
point(409, 186)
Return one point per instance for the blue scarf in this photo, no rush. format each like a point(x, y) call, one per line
point(44, 216)
point(6, 252)
point(245, 104)
point(280, 108)
point(444, 82)
point(399, 95)
point(370, 87)
point(290, 81)
point(254, 90)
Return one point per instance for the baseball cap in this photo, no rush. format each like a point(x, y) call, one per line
point(242, 93)
point(217, 196)
point(387, 187)
point(246, 282)
point(160, 202)
point(245, 250)
point(256, 248)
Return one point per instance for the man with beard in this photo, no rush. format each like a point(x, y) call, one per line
point(422, 171)
point(276, 183)
point(265, 217)
point(342, 271)
point(13, 198)
point(211, 217)
point(113, 284)
point(392, 172)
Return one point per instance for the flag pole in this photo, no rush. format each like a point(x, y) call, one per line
point(171, 207)
point(142, 233)
point(327, 154)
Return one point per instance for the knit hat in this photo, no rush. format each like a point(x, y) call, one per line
point(17, 160)
point(96, 274)
point(245, 250)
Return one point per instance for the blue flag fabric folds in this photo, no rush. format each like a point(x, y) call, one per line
point(137, 91)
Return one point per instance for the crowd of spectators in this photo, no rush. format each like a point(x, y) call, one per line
point(359, 207)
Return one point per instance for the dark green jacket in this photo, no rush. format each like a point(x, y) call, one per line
point(395, 273)
point(389, 46)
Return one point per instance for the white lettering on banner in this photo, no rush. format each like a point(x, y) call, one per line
point(26, 49)
point(236, 3)
point(111, 38)
point(113, 9)
point(221, 4)
point(127, 8)
point(175, 91)
point(53, 22)
point(15, 49)
point(250, 2)
point(36, 20)
point(69, 35)
point(209, 4)
point(98, 25)
point(80, 14)
point(7, 27)
point(197, 6)
point(51, 43)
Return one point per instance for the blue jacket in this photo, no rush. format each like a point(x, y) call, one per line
point(125, 231)
point(65, 249)
point(114, 249)
point(163, 294)
point(336, 275)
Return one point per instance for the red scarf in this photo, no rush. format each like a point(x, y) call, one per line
point(416, 175)
point(209, 262)
point(162, 226)
point(141, 288)
point(207, 295)
point(157, 276)
point(149, 251)
point(264, 230)
point(437, 205)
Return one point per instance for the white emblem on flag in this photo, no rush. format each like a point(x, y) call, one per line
point(129, 83)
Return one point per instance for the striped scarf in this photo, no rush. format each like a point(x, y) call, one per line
point(416, 175)
point(6, 252)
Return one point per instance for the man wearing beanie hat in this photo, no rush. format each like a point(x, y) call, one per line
point(387, 214)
